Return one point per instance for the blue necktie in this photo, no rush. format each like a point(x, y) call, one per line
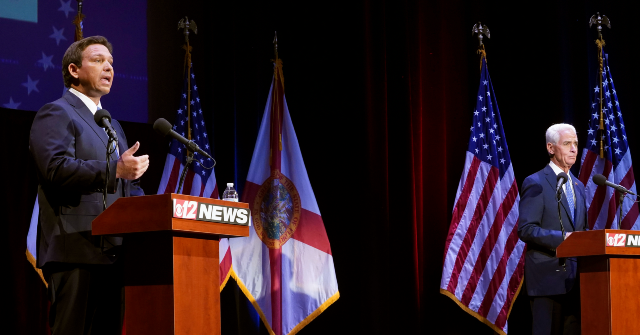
point(569, 194)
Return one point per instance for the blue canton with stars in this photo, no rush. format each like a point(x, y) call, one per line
point(615, 136)
point(198, 131)
point(487, 140)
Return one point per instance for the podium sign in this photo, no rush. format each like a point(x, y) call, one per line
point(202, 211)
point(609, 270)
point(172, 283)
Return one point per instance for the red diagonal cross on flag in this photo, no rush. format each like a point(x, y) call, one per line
point(285, 266)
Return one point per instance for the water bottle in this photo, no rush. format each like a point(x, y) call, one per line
point(230, 193)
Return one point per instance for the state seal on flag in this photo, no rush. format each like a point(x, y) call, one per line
point(276, 210)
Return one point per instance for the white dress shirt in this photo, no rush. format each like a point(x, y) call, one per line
point(92, 107)
point(87, 102)
point(557, 170)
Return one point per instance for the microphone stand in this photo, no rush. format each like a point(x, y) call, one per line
point(184, 171)
point(620, 200)
point(559, 194)
point(106, 181)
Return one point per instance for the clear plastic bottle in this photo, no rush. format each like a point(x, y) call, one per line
point(230, 193)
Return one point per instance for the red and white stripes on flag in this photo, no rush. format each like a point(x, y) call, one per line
point(285, 266)
point(602, 201)
point(484, 258)
point(616, 166)
point(193, 183)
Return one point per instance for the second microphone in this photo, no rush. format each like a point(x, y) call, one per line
point(164, 128)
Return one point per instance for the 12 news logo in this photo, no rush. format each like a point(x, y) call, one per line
point(622, 240)
point(194, 210)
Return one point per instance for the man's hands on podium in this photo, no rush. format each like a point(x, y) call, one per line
point(131, 167)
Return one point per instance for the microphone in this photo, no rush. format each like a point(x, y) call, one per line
point(601, 180)
point(561, 179)
point(103, 119)
point(163, 127)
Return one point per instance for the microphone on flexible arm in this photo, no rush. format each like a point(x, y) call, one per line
point(163, 127)
point(601, 180)
point(561, 179)
point(103, 119)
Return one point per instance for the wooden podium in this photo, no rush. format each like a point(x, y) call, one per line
point(171, 263)
point(609, 268)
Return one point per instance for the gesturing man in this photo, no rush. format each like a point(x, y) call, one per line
point(69, 149)
point(551, 282)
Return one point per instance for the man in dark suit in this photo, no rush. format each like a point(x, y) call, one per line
point(551, 282)
point(69, 149)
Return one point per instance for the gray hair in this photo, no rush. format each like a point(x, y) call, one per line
point(553, 132)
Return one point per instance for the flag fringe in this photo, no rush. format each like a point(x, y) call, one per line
point(32, 260)
point(226, 279)
point(252, 299)
point(478, 316)
point(300, 325)
point(315, 313)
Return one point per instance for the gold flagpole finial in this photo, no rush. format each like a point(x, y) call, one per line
point(480, 30)
point(187, 25)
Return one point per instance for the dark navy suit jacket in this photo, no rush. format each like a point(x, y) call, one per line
point(539, 227)
point(69, 150)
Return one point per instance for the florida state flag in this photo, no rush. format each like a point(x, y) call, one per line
point(285, 266)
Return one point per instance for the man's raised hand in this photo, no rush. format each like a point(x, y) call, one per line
point(131, 167)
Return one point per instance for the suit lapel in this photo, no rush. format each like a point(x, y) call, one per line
point(552, 179)
point(83, 111)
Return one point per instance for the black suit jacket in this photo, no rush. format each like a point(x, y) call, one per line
point(539, 227)
point(69, 150)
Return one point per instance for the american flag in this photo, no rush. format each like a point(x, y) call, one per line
point(199, 181)
point(484, 258)
point(602, 201)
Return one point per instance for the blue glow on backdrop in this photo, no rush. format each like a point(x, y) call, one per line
point(35, 34)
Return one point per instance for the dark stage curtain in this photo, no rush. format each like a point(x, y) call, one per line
point(413, 101)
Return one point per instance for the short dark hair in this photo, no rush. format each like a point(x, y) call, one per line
point(74, 55)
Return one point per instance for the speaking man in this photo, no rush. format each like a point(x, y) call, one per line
point(551, 282)
point(69, 149)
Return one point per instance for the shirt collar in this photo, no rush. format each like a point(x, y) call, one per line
point(556, 169)
point(87, 102)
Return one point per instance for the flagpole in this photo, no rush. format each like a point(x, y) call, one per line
point(278, 73)
point(77, 21)
point(480, 30)
point(187, 25)
point(277, 112)
point(599, 20)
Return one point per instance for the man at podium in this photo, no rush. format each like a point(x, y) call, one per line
point(69, 149)
point(551, 282)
